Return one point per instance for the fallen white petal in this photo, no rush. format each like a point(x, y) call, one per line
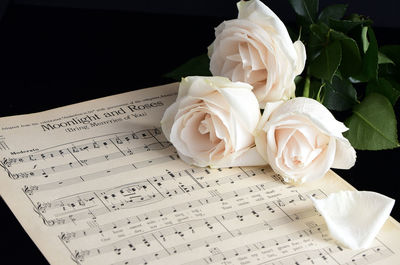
point(354, 218)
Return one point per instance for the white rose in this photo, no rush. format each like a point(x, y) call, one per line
point(212, 122)
point(301, 140)
point(256, 48)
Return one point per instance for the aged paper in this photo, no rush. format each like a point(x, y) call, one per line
point(98, 183)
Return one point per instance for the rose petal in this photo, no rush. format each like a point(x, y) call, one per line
point(259, 13)
point(211, 121)
point(168, 119)
point(282, 137)
point(241, 135)
point(345, 156)
point(261, 144)
point(244, 106)
point(255, 58)
point(199, 87)
point(190, 161)
point(354, 218)
point(313, 171)
point(190, 134)
point(244, 54)
point(315, 111)
point(301, 56)
point(249, 157)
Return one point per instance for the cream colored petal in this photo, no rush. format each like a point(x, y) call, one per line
point(256, 76)
point(269, 108)
point(316, 169)
point(248, 157)
point(244, 105)
point(282, 137)
point(221, 131)
point(237, 73)
point(315, 111)
point(168, 119)
point(354, 218)
point(199, 86)
point(240, 135)
point(298, 150)
point(189, 160)
point(234, 58)
point(260, 138)
point(301, 56)
point(244, 54)
point(255, 55)
point(345, 156)
point(259, 13)
point(195, 141)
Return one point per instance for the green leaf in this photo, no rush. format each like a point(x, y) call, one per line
point(391, 71)
point(332, 12)
point(369, 69)
point(373, 125)
point(310, 88)
point(196, 66)
point(315, 90)
point(394, 83)
point(340, 95)
point(385, 88)
point(299, 81)
point(364, 39)
point(349, 24)
point(306, 9)
point(317, 40)
point(393, 52)
point(370, 65)
point(325, 65)
point(383, 59)
point(320, 31)
point(351, 59)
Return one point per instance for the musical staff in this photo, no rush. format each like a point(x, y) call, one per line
point(99, 174)
point(219, 256)
point(126, 222)
point(143, 193)
point(190, 228)
point(45, 172)
point(124, 139)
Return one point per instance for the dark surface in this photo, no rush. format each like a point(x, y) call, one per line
point(384, 13)
point(51, 57)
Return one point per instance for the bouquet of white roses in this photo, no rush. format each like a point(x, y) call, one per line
point(267, 96)
point(345, 69)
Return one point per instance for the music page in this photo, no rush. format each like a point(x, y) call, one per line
point(98, 183)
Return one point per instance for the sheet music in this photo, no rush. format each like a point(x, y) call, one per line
point(98, 183)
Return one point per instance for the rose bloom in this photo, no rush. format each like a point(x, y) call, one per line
point(256, 48)
point(301, 140)
point(212, 122)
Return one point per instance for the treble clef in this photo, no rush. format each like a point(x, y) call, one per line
point(29, 190)
point(66, 237)
point(5, 164)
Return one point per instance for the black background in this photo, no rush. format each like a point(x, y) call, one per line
point(54, 53)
